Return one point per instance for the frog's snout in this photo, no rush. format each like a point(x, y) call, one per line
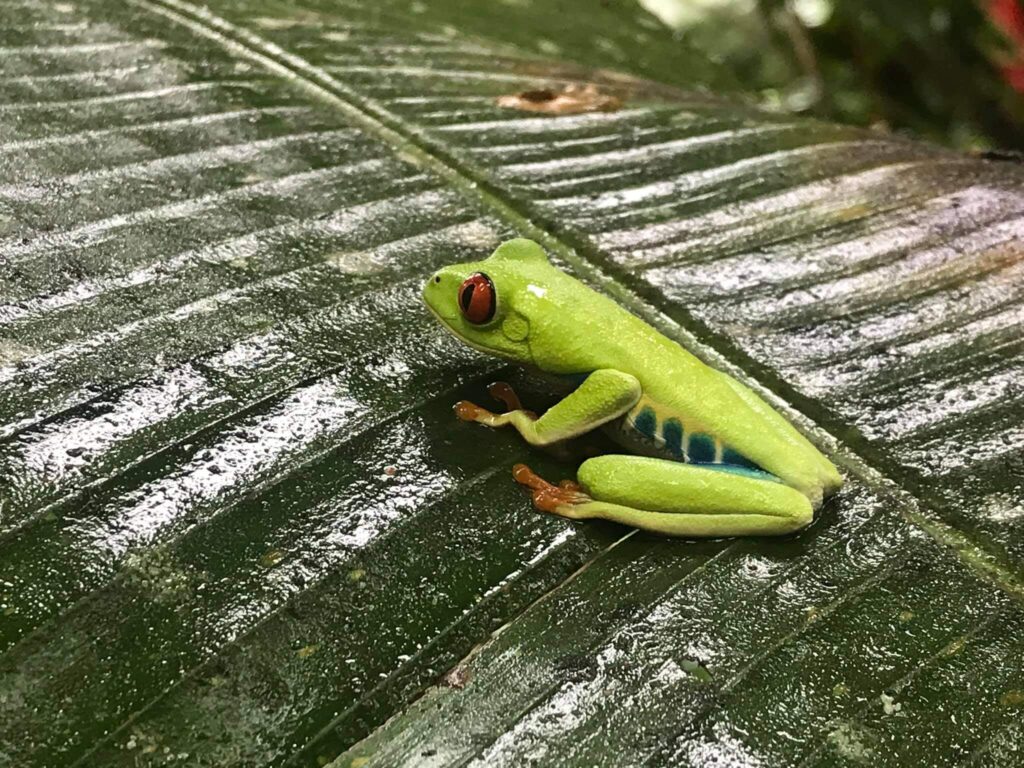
point(442, 286)
point(438, 294)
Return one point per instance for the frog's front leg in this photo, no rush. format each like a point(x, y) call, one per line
point(604, 395)
point(672, 498)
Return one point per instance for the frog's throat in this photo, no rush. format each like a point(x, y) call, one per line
point(486, 350)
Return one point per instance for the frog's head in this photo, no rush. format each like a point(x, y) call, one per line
point(487, 304)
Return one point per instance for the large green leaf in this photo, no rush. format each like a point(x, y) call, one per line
point(239, 523)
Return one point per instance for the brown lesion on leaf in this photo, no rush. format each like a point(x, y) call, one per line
point(1012, 698)
point(457, 677)
point(573, 99)
point(307, 650)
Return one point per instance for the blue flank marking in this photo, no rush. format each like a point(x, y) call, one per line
point(672, 432)
point(701, 449)
point(756, 474)
point(646, 422)
point(729, 456)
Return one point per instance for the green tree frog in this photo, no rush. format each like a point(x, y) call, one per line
point(705, 455)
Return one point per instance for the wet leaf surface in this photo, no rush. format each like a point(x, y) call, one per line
point(238, 522)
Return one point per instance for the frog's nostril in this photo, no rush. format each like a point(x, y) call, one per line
point(437, 278)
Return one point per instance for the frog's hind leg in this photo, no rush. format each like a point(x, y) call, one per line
point(675, 499)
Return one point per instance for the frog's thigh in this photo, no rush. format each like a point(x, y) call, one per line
point(686, 500)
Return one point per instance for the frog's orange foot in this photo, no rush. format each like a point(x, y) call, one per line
point(564, 499)
point(503, 392)
point(468, 411)
point(499, 390)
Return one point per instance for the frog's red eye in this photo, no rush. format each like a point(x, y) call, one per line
point(477, 298)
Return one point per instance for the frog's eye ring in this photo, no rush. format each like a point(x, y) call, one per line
point(477, 298)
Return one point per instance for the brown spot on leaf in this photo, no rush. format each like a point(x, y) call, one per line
point(853, 212)
point(306, 651)
point(571, 100)
point(457, 678)
point(272, 558)
point(1012, 698)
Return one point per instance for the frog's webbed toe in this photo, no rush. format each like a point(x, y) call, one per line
point(468, 411)
point(499, 390)
point(565, 499)
point(503, 392)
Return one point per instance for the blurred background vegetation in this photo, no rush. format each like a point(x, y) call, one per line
point(948, 70)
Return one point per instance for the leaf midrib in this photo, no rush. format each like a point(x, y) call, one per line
point(587, 262)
